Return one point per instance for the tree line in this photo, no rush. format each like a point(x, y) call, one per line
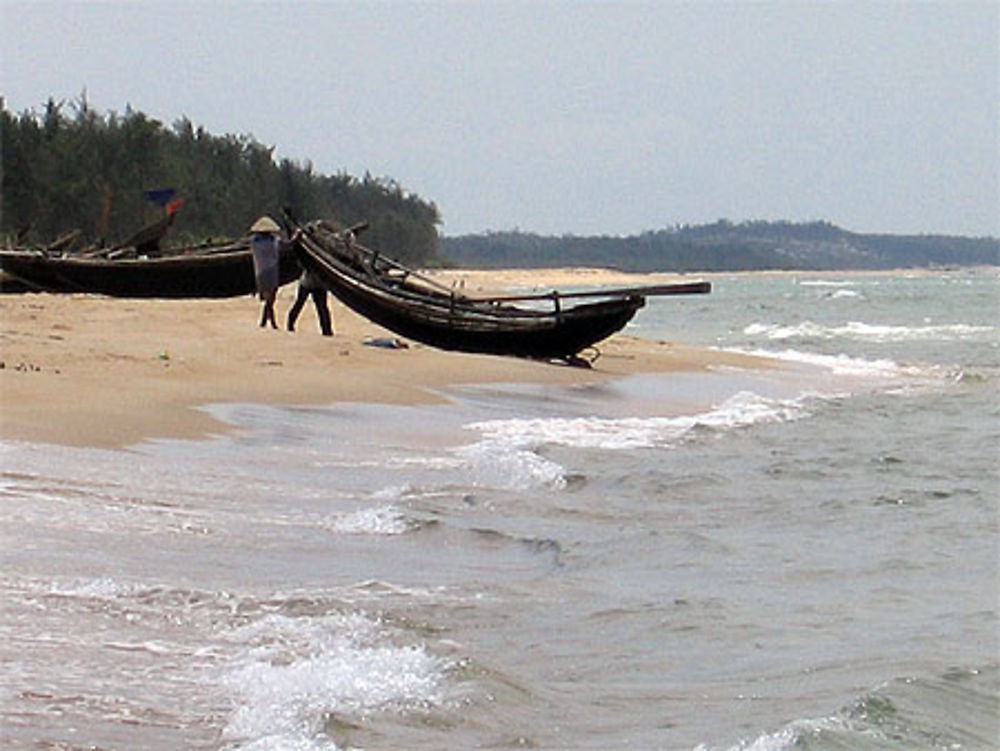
point(723, 246)
point(71, 167)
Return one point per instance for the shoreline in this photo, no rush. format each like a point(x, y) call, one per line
point(87, 370)
point(487, 280)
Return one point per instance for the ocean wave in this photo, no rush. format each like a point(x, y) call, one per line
point(537, 545)
point(824, 283)
point(296, 679)
point(101, 588)
point(742, 409)
point(956, 710)
point(377, 520)
point(845, 364)
point(114, 595)
point(844, 294)
point(866, 332)
point(513, 465)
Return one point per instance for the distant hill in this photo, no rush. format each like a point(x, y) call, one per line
point(723, 246)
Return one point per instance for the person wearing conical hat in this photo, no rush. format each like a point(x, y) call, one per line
point(265, 242)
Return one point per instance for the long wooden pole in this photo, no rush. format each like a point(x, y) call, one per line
point(687, 288)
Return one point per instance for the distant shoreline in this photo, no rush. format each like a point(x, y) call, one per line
point(725, 246)
point(487, 280)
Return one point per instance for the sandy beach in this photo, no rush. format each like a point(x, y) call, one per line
point(311, 572)
point(96, 371)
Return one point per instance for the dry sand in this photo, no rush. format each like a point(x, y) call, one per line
point(96, 371)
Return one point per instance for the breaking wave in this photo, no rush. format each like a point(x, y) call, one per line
point(742, 409)
point(845, 365)
point(955, 711)
point(295, 677)
point(865, 332)
point(377, 520)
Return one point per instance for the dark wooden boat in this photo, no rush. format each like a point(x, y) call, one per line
point(554, 326)
point(224, 270)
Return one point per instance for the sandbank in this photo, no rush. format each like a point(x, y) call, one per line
point(88, 370)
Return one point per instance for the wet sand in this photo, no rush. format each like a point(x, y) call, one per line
point(95, 371)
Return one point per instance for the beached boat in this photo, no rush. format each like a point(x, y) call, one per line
point(552, 326)
point(220, 270)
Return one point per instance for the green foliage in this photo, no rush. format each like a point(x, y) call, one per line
point(723, 246)
point(88, 171)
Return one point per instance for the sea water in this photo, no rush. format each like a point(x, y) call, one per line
point(801, 557)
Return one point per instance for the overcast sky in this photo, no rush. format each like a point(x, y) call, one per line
point(567, 116)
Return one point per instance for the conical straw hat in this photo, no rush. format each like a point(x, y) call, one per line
point(265, 224)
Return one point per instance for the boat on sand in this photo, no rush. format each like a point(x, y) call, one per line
point(552, 326)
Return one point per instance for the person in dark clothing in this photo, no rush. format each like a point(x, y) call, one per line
point(310, 286)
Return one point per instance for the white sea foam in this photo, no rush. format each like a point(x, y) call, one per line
point(824, 283)
point(150, 646)
point(742, 409)
point(858, 331)
point(844, 294)
point(377, 520)
point(845, 365)
point(430, 462)
point(102, 588)
point(293, 674)
point(788, 737)
point(501, 463)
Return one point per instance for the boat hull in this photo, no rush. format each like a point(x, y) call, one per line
point(224, 273)
point(460, 325)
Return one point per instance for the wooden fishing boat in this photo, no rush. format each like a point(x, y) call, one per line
point(553, 326)
point(219, 270)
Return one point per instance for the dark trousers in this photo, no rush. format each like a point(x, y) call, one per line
point(319, 300)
